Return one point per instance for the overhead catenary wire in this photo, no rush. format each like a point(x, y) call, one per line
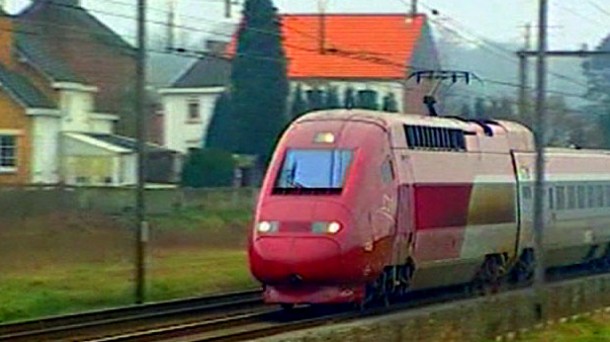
point(493, 48)
point(351, 54)
point(368, 56)
point(195, 53)
point(585, 18)
point(600, 8)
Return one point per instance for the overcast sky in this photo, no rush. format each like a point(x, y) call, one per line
point(573, 22)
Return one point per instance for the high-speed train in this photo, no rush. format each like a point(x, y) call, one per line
point(359, 205)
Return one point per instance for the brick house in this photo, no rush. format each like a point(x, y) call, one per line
point(360, 51)
point(65, 86)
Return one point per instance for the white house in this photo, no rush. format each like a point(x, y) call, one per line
point(189, 103)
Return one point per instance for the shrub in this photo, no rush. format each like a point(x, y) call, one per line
point(208, 168)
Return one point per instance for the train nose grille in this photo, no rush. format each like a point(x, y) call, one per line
point(295, 227)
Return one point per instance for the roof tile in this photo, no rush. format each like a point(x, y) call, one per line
point(209, 71)
point(23, 90)
point(357, 45)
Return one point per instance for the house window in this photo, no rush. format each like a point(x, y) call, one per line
point(193, 110)
point(8, 153)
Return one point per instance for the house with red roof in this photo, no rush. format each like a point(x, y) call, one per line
point(364, 52)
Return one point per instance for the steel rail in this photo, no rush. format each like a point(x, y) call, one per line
point(272, 321)
point(56, 325)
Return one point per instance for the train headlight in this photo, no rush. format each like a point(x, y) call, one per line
point(334, 227)
point(326, 227)
point(266, 227)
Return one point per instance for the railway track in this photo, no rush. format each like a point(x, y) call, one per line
point(102, 322)
point(228, 317)
point(275, 321)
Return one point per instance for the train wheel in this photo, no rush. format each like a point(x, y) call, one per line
point(523, 272)
point(405, 273)
point(490, 276)
point(385, 287)
point(378, 292)
point(369, 296)
point(602, 264)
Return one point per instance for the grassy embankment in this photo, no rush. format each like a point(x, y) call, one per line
point(590, 329)
point(71, 262)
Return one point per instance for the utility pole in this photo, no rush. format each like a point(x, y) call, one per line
point(540, 126)
point(171, 23)
point(523, 72)
point(141, 224)
point(413, 8)
point(539, 136)
point(228, 8)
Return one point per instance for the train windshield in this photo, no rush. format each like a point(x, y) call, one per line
point(314, 171)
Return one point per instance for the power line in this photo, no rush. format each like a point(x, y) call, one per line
point(359, 55)
point(199, 53)
point(599, 8)
point(348, 54)
point(587, 19)
point(493, 48)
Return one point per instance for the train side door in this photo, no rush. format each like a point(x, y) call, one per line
point(385, 219)
point(524, 169)
point(405, 235)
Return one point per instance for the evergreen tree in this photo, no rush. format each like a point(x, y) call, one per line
point(332, 98)
point(480, 109)
point(597, 71)
point(315, 99)
point(389, 103)
point(222, 131)
point(349, 99)
point(494, 109)
point(258, 80)
point(506, 109)
point(465, 112)
point(367, 99)
point(299, 105)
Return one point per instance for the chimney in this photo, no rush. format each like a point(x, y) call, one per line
point(6, 39)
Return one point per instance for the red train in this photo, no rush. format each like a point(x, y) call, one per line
point(359, 205)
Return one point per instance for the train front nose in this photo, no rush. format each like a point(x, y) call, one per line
point(295, 260)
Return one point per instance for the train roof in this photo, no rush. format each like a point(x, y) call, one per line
point(389, 119)
point(518, 137)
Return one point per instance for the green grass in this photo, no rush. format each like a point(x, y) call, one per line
point(77, 287)
point(72, 262)
point(197, 219)
point(592, 329)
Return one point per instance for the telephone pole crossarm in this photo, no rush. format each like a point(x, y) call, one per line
point(565, 53)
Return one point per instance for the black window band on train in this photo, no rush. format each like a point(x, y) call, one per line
point(435, 138)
